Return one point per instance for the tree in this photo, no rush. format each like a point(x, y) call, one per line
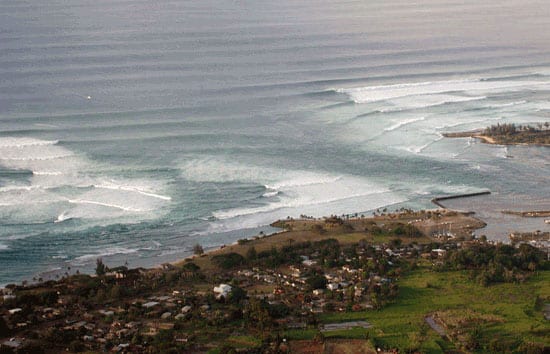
point(4, 329)
point(396, 242)
point(100, 268)
point(228, 260)
point(198, 250)
point(115, 292)
point(257, 314)
point(317, 282)
point(191, 267)
point(236, 295)
point(251, 254)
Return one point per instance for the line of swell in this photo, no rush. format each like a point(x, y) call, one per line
point(45, 158)
point(402, 123)
point(132, 189)
point(83, 201)
point(17, 143)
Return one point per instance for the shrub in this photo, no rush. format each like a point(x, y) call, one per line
point(198, 250)
point(229, 260)
point(100, 268)
point(316, 282)
point(251, 254)
point(190, 266)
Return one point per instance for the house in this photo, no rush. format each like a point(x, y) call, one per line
point(332, 286)
point(349, 269)
point(296, 272)
point(15, 310)
point(106, 312)
point(222, 290)
point(345, 284)
point(13, 343)
point(246, 273)
point(150, 304)
point(438, 252)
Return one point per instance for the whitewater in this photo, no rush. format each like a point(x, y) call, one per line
point(133, 130)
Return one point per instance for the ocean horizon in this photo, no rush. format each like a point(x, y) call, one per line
point(132, 130)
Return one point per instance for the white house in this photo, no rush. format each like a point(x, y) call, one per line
point(222, 290)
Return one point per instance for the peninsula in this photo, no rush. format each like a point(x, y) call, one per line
point(509, 134)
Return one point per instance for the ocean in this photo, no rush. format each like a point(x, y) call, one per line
point(131, 130)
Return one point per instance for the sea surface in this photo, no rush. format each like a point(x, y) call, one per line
point(131, 130)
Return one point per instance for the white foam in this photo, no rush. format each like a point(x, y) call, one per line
point(387, 92)
point(270, 194)
point(31, 158)
point(16, 188)
point(111, 251)
point(340, 206)
point(109, 205)
point(403, 122)
point(292, 203)
point(67, 185)
point(421, 148)
point(24, 142)
point(62, 217)
point(507, 104)
point(503, 153)
point(214, 169)
point(60, 256)
point(427, 101)
point(303, 179)
point(469, 122)
point(132, 189)
point(297, 191)
point(4, 247)
point(47, 173)
point(413, 105)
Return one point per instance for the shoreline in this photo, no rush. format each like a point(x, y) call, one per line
point(289, 233)
point(211, 251)
point(299, 230)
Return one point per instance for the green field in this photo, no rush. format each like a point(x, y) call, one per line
point(423, 291)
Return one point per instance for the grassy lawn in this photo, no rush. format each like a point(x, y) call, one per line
point(243, 341)
point(423, 292)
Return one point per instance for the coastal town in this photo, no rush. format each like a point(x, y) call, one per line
point(275, 177)
point(319, 286)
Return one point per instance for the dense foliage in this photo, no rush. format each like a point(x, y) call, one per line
point(518, 134)
point(497, 263)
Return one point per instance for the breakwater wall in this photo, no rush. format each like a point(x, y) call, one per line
point(437, 201)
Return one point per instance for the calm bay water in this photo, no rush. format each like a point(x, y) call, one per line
point(132, 130)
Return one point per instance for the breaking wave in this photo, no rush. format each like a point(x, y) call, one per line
point(65, 185)
point(403, 122)
point(387, 92)
point(286, 192)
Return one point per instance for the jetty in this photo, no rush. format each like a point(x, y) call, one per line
point(437, 201)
